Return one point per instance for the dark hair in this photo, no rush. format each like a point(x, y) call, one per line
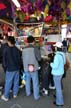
point(59, 49)
point(11, 39)
point(30, 39)
point(53, 48)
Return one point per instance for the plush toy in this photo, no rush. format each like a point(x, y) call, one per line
point(48, 18)
point(27, 17)
point(68, 10)
point(27, 7)
point(20, 16)
point(46, 10)
point(38, 4)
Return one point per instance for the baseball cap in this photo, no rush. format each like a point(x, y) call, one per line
point(58, 44)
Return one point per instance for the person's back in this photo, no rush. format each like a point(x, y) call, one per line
point(12, 60)
point(29, 57)
point(30, 64)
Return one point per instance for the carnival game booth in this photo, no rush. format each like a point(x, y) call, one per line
point(26, 15)
point(26, 29)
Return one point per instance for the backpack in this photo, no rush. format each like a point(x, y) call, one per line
point(66, 66)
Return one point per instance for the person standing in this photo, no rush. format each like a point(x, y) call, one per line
point(31, 56)
point(64, 42)
point(57, 71)
point(50, 76)
point(11, 63)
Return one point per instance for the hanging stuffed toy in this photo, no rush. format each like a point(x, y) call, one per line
point(68, 10)
point(48, 18)
point(46, 10)
point(26, 7)
point(38, 4)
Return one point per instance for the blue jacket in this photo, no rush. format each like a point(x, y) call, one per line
point(58, 63)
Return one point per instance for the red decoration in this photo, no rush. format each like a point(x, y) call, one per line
point(48, 18)
point(26, 18)
point(2, 6)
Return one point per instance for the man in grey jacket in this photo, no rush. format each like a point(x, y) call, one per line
point(31, 56)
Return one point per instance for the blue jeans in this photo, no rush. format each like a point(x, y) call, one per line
point(65, 49)
point(34, 76)
point(12, 78)
point(59, 95)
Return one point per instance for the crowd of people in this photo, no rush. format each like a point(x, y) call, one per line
point(29, 60)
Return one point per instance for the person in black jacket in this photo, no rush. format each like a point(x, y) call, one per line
point(11, 63)
point(47, 78)
point(64, 42)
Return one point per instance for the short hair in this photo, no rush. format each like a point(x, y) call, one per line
point(30, 39)
point(11, 39)
point(53, 48)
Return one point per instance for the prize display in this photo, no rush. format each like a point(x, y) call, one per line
point(26, 29)
point(38, 18)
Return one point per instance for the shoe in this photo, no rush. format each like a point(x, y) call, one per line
point(3, 98)
point(45, 92)
point(54, 96)
point(57, 104)
point(21, 86)
point(1, 87)
point(14, 96)
point(37, 98)
point(52, 87)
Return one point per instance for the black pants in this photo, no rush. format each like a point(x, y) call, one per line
point(45, 81)
point(45, 74)
point(50, 78)
point(47, 78)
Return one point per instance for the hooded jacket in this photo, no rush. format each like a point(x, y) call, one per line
point(58, 63)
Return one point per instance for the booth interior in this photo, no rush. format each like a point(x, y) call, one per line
point(48, 21)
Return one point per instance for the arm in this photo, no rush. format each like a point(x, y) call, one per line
point(4, 64)
point(55, 63)
point(37, 53)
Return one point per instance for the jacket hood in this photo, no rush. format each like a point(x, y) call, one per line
point(59, 52)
